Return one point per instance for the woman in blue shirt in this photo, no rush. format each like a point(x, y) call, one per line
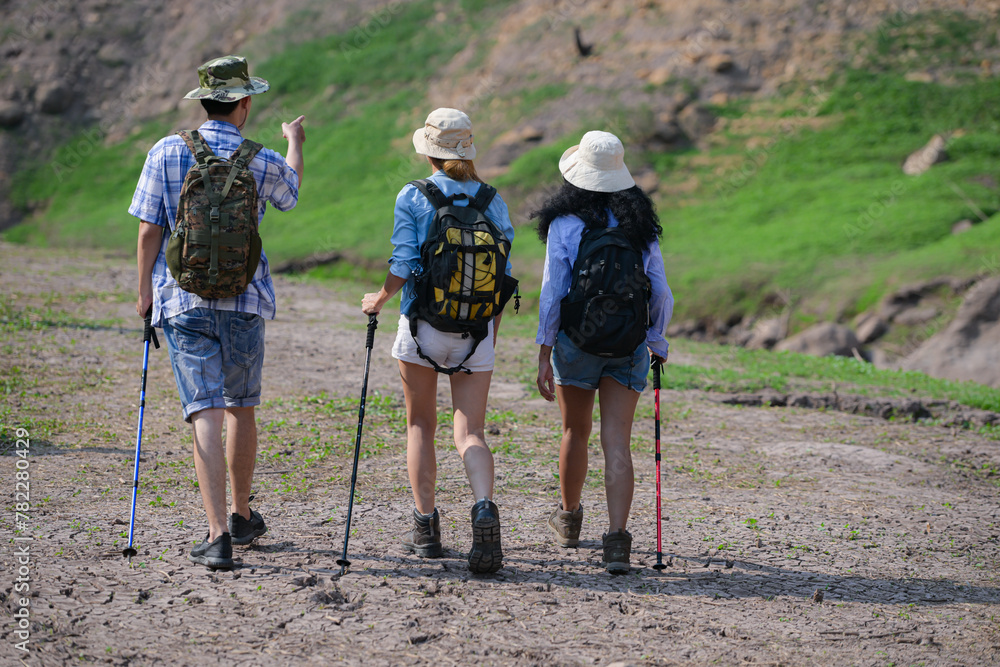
point(446, 141)
point(598, 192)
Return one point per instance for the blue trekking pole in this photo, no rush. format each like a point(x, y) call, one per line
point(372, 325)
point(148, 333)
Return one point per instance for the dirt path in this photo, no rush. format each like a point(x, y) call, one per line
point(895, 525)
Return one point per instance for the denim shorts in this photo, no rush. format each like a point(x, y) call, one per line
point(576, 368)
point(217, 357)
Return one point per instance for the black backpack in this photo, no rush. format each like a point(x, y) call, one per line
point(463, 264)
point(606, 312)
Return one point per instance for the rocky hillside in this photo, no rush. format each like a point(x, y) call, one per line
point(772, 133)
point(102, 68)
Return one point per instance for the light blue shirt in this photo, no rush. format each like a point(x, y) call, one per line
point(412, 221)
point(155, 201)
point(561, 248)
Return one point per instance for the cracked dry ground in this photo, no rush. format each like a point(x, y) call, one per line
point(763, 507)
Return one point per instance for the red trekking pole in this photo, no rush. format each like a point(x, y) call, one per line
point(656, 396)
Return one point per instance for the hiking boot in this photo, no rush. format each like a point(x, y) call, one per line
point(617, 550)
point(244, 531)
point(215, 555)
point(425, 538)
point(566, 525)
point(486, 556)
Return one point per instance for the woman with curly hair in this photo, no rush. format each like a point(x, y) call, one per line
point(598, 193)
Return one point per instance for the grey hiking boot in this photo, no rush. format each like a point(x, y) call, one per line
point(617, 551)
point(215, 555)
point(425, 538)
point(486, 556)
point(566, 525)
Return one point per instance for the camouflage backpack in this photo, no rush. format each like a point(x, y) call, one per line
point(215, 248)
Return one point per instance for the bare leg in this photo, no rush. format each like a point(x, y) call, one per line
point(469, 394)
point(420, 390)
point(577, 407)
point(210, 466)
point(241, 454)
point(618, 404)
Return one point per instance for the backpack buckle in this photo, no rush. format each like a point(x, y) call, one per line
point(214, 214)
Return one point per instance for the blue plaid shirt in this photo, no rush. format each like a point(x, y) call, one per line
point(155, 201)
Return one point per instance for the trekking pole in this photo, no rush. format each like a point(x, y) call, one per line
point(372, 325)
point(656, 397)
point(148, 333)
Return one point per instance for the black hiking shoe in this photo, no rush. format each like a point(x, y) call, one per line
point(486, 556)
point(244, 531)
point(216, 555)
point(566, 526)
point(617, 551)
point(425, 538)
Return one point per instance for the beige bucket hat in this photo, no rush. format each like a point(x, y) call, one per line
point(446, 135)
point(227, 79)
point(597, 163)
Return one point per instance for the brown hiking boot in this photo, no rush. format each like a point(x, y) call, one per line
point(566, 525)
point(617, 550)
point(425, 538)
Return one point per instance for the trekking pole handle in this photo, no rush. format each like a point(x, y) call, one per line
point(372, 325)
point(148, 332)
point(656, 373)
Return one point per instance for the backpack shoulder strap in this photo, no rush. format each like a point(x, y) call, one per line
point(431, 191)
point(196, 145)
point(241, 158)
point(245, 153)
point(484, 197)
point(201, 154)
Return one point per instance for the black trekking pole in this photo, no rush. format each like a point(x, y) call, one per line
point(656, 395)
point(372, 325)
point(148, 333)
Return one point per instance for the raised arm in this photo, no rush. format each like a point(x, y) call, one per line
point(296, 136)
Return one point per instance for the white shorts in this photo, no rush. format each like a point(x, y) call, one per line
point(447, 349)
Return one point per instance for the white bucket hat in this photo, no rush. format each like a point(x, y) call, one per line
point(446, 135)
point(597, 164)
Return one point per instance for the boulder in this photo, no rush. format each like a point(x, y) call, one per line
point(766, 334)
point(114, 54)
point(822, 340)
point(913, 317)
point(961, 226)
point(665, 134)
point(909, 296)
point(696, 121)
point(925, 158)
point(53, 98)
point(510, 145)
point(647, 180)
point(719, 63)
point(11, 114)
point(870, 327)
point(659, 76)
point(969, 348)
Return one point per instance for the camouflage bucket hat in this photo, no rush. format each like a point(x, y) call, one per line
point(226, 79)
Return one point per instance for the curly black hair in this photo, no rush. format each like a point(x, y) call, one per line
point(633, 209)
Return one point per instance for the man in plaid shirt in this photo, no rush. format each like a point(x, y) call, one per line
point(216, 346)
